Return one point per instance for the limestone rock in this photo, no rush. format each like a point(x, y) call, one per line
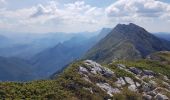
point(146, 87)
point(152, 93)
point(149, 73)
point(83, 70)
point(120, 66)
point(107, 88)
point(120, 82)
point(132, 87)
point(129, 80)
point(147, 97)
point(96, 68)
point(161, 97)
point(135, 70)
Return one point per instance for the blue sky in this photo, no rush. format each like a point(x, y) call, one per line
point(41, 16)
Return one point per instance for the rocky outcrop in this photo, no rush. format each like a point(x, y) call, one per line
point(161, 97)
point(92, 68)
point(96, 68)
point(150, 90)
point(107, 88)
point(120, 82)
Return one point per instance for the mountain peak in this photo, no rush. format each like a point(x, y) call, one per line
point(130, 25)
point(126, 41)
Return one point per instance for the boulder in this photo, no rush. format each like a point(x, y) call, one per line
point(166, 78)
point(146, 87)
point(149, 73)
point(147, 97)
point(93, 66)
point(137, 84)
point(153, 83)
point(161, 97)
point(132, 87)
point(120, 82)
point(86, 78)
point(152, 93)
point(107, 88)
point(129, 80)
point(83, 70)
point(107, 72)
point(121, 66)
point(96, 68)
point(135, 70)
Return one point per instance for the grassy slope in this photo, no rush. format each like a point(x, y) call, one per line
point(70, 85)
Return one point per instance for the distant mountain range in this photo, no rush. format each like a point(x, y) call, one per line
point(135, 66)
point(26, 45)
point(163, 35)
point(14, 69)
point(126, 42)
point(41, 56)
point(45, 55)
point(53, 59)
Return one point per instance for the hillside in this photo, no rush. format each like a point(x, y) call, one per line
point(14, 69)
point(132, 80)
point(126, 42)
point(54, 59)
point(163, 35)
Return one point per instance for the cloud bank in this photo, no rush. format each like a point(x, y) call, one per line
point(80, 16)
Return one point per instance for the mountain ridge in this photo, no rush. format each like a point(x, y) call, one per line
point(143, 41)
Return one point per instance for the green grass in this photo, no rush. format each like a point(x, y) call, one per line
point(59, 88)
point(50, 89)
point(155, 66)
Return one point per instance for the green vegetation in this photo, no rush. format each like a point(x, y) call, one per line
point(155, 66)
point(70, 85)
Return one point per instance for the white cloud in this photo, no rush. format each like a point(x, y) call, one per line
point(2, 3)
point(138, 9)
point(80, 16)
point(71, 14)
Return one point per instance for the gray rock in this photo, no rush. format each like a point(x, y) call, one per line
point(120, 66)
point(152, 93)
point(129, 80)
point(147, 97)
point(83, 70)
point(153, 82)
point(96, 68)
point(132, 87)
point(86, 78)
point(149, 73)
point(135, 70)
point(146, 87)
point(161, 97)
point(120, 82)
point(107, 88)
point(137, 84)
point(107, 72)
point(89, 89)
point(166, 78)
